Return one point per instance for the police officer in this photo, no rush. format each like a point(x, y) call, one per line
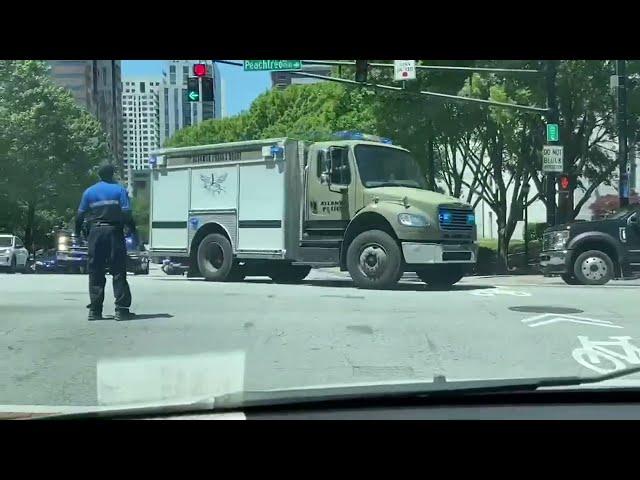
point(107, 210)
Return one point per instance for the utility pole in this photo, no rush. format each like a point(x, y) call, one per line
point(552, 117)
point(621, 116)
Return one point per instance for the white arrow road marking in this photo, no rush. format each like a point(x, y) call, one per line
point(549, 318)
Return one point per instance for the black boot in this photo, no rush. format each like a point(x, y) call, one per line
point(94, 315)
point(124, 314)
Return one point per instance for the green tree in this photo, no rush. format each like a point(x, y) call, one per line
point(48, 145)
point(306, 112)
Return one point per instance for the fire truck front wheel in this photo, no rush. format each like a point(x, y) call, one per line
point(215, 257)
point(374, 260)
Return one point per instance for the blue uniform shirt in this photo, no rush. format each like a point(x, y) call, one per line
point(107, 202)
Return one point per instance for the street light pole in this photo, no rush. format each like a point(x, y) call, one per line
point(623, 177)
point(552, 117)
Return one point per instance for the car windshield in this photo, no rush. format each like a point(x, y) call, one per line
point(197, 228)
point(383, 166)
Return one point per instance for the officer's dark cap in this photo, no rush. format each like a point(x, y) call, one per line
point(106, 172)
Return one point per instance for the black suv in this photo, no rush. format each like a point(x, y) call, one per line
point(592, 253)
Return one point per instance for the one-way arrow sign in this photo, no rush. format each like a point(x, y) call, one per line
point(549, 318)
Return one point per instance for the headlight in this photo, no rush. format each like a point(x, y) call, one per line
point(410, 220)
point(4, 250)
point(62, 247)
point(556, 240)
point(39, 263)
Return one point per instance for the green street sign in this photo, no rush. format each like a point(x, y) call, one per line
point(552, 132)
point(262, 65)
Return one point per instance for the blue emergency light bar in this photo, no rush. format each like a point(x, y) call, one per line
point(352, 135)
point(277, 151)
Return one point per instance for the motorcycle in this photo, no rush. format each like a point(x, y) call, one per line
point(173, 268)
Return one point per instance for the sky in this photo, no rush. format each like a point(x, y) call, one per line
point(241, 87)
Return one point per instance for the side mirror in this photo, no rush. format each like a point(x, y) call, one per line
point(325, 167)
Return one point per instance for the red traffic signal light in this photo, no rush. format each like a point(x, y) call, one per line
point(199, 69)
point(564, 182)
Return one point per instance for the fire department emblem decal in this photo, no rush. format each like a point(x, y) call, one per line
point(214, 184)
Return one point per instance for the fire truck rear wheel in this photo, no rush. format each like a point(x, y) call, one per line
point(215, 257)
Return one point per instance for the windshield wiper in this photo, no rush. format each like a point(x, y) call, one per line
point(569, 381)
point(439, 388)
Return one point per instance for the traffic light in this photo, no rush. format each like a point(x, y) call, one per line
point(200, 69)
point(362, 67)
point(565, 182)
point(207, 89)
point(193, 89)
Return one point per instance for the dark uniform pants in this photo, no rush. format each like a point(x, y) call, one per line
point(107, 249)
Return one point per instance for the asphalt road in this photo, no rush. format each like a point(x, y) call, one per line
point(196, 338)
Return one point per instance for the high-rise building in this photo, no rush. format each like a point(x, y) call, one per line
point(284, 79)
point(176, 111)
point(96, 85)
point(141, 120)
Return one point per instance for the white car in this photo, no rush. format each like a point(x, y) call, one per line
point(13, 255)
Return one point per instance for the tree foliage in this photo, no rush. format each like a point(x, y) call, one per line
point(49, 147)
point(307, 112)
point(605, 205)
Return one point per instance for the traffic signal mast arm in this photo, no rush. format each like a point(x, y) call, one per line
point(423, 67)
point(400, 89)
point(431, 94)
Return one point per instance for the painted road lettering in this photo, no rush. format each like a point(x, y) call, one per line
point(549, 318)
point(608, 356)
